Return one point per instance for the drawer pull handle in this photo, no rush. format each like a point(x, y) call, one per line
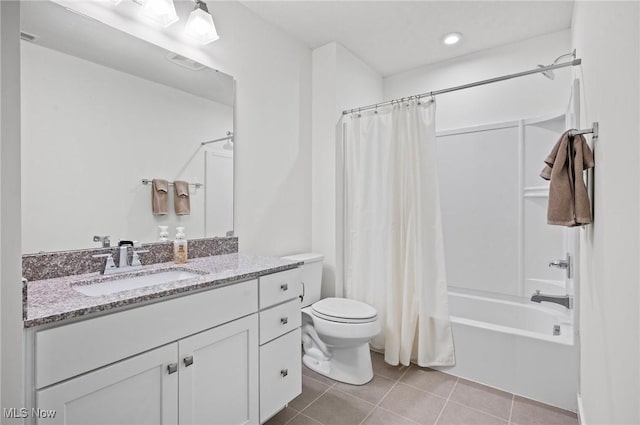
point(188, 361)
point(172, 368)
point(284, 286)
point(284, 372)
point(284, 320)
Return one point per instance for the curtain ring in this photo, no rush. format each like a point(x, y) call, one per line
point(376, 110)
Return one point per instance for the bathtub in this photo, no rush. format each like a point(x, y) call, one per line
point(521, 347)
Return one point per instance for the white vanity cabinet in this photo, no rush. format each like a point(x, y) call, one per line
point(190, 359)
point(225, 356)
point(280, 356)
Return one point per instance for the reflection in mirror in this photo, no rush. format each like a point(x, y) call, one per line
point(103, 110)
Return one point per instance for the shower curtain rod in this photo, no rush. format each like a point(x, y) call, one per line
point(228, 137)
point(467, 86)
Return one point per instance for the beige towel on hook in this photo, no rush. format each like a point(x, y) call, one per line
point(160, 197)
point(569, 203)
point(181, 197)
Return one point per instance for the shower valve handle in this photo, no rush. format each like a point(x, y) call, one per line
point(563, 264)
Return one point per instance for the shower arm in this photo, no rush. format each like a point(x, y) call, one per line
point(572, 54)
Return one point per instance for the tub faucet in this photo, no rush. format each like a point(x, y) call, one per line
point(564, 300)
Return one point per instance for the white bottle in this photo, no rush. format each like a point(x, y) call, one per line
point(180, 254)
point(164, 233)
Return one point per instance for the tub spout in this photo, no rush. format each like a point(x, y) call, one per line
point(564, 300)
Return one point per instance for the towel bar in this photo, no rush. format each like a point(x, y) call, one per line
point(197, 185)
point(593, 130)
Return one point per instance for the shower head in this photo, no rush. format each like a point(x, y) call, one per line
point(549, 73)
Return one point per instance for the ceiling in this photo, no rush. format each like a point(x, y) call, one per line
point(89, 39)
point(395, 36)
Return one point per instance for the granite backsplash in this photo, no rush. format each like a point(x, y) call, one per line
point(49, 265)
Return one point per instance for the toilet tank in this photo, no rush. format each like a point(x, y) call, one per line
point(311, 275)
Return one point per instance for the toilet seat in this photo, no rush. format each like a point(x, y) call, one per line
point(344, 310)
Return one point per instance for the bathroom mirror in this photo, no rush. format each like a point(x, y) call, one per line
point(101, 112)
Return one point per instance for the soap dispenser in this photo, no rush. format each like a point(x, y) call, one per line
point(180, 247)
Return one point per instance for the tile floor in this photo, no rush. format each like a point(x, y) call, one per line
point(409, 396)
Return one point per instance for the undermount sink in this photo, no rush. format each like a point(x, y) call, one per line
point(126, 283)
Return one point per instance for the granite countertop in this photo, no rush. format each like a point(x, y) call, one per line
point(53, 300)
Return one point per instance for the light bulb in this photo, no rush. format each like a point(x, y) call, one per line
point(200, 25)
point(452, 38)
point(162, 12)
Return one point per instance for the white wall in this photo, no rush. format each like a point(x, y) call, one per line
point(89, 135)
point(273, 117)
point(606, 35)
point(505, 101)
point(11, 356)
point(340, 81)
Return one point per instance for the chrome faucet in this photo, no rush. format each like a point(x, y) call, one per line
point(123, 247)
point(104, 240)
point(563, 300)
point(123, 265)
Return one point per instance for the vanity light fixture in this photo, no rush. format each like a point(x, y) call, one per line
point(200, 25)
point(162, 12)
point(452, 38)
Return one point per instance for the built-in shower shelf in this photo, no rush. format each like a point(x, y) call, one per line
point(536, 192)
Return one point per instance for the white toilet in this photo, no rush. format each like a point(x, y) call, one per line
point(335, 331)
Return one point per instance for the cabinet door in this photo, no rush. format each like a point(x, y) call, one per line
point(139, 390)
point(219, 375)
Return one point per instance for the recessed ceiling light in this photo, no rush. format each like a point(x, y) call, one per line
point(452, 38)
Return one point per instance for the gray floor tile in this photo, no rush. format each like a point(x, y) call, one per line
point(481, 397)
point(372, 392)
point(282, 417)
point(338, 408)
point(303, 420)
point(382, 368)
point(414, 404)
point(457, 414)
point(311, 389)
point(385, 417)
point(308, 372)
point(429, 380)
point(529, 412)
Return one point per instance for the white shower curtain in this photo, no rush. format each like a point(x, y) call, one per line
point(393, 247)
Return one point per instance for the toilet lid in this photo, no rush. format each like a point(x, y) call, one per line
point(344, 310)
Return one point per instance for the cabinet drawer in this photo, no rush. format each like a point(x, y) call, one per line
point(280, 373)
point(279, 320)
point(279, 287)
